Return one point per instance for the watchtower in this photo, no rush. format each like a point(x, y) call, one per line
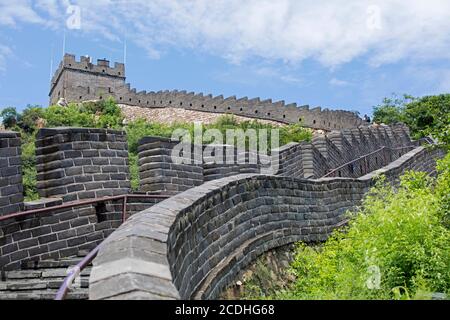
point(82, 80)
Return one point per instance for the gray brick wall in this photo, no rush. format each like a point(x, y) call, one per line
point(82, 80)
point(159, 174)
point(326, 154)
point(81, 163)
point(73, 164)
point(11, 189)
point(193, 244)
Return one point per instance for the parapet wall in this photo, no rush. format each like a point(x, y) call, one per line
point(334, 155)
point(11, 188)
point(164, 170)
point(73, 164)
point(159, 174)
point(192, 245)
point(81, 163)
point(78, 81)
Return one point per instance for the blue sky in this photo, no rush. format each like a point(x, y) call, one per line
point(336, 54)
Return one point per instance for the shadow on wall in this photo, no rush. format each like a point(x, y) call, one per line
point(193, 244)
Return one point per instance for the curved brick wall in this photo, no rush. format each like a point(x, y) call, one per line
point(193, 244)
point(81, 163)
point(367, 149)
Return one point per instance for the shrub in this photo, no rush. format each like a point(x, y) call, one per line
point(29, 172)
point(398, 233)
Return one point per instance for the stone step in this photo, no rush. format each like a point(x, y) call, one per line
point(79, 294)
point(38, 284)
point(41, 280)
point(64, 263)
point(40, 273)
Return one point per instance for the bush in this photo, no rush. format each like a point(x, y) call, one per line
point(140, 128)
point(104, 114)
point(29, 172)
point(10, 117)
point(398, 233)
point(134, 171)
point(429, 115)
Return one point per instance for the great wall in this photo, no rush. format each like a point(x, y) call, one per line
point(191, 228)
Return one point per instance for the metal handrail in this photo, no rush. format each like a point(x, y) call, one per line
point(79, 204)
point(75, 271)
point(363, 157)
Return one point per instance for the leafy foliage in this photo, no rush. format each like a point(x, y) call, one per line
point(391, 110)
point(400, 233)
point(105, 114)
point(429, 115)
point(140, 128)
point(10, 117)
point(29, 172)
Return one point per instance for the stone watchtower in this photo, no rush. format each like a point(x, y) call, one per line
point(83, 80)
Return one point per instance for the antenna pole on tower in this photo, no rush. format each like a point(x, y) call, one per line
point(64, 43)
point(125, 47)
point(51, 63)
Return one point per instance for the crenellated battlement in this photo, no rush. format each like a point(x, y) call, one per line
point(78, 81)
point(85, 65)
point(75, 76)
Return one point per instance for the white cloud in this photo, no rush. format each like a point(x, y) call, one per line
point(5, 52)
point(331, 32)
point(339, 83)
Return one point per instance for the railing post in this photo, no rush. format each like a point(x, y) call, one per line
point(124, 209)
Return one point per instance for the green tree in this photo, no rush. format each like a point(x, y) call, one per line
point(10, 117)
point(430, 115)
point(391, 110)
point(29, 117)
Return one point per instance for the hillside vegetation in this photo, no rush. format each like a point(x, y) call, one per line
point(429, 115)
point(106, 114)
point(397, 244)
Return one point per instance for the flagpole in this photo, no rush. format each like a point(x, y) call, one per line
point(51, 63)
point(64, 43)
